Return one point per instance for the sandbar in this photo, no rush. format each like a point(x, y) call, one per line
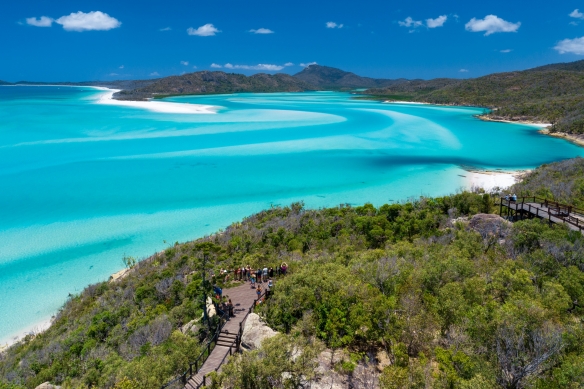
point(156, 106)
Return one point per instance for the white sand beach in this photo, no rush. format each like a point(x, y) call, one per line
point(31, 330)
point(489, 180)
point(156, 106)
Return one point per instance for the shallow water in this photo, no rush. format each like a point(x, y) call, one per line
point(82, 184)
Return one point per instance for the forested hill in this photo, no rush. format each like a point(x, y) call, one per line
point(552, 94)
point(324, 77)
point(427, 294)
point(206, 82)
point(4, 83)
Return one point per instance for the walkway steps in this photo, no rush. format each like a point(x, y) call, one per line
point(243, 297)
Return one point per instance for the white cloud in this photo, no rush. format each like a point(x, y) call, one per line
point(463, 70)
point(121, 67)
point(333, 25)
point(305, 65)
point(262, 31)
point(288, 64)
point(491, 24)
point(506, 51)
point(154, 74)
point(194, 67)
point(113, 74)
point(409, 22)
point(438, 22)
point(165, 29)
point(574, 46)
point(573, 23)
point(91, 21)
point(206, 30)
point(185, 63)
point(216, 66)
point(577, 14)
point(43, 21)
point(261, 66)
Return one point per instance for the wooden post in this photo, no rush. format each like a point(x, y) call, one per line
point(501, 206)
point(204, 380)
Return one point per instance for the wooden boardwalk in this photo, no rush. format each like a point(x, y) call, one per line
point(532, 207)
point(243, 298)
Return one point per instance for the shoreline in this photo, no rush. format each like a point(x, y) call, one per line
point(489, 180)
point(576, 139)
point(34, 330)
point(523, 122)
point(155, 106)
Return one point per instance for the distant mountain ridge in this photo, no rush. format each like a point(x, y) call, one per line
point(325, 77)
point(5, 83)
point(206, 82)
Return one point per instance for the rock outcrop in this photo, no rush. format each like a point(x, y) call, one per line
point(489, 225)
point(47, 385)
point(191, 326)
point(119, 275)
point(254, 332)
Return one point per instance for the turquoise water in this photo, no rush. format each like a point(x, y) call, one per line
point(82, 184)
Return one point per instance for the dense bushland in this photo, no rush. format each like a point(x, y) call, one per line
point(549, 94)
point(561, 181)
point(452, 306)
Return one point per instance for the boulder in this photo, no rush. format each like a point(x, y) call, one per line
point(47, 385)
point(254, 332)
point(489, 225)
point(119, 275)
point(191, 326)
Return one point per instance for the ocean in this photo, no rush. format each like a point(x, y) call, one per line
point(82, 184)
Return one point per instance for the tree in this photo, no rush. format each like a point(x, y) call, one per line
point(522, 353)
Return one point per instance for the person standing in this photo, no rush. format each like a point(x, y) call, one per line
point(271, 272)
point(265, 274)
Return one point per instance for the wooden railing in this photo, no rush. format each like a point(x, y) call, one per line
point(558, 210)
point(200, 360)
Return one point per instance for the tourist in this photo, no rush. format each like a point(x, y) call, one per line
point(259, 275)
point(271, 272)
point(514, 197)
point(264, 274)
point(506, 197)
point(284, 268)
point(270, 284)
point(259, 291)
point(230, 308)
point(218, 291)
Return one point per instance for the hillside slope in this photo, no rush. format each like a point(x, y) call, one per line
point(451, 303)
point(324, 77)
point(544, 95)
point(207, 82)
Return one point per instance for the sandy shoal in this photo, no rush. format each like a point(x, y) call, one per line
point(156, 106)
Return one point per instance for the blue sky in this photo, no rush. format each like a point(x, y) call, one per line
point(105, 39)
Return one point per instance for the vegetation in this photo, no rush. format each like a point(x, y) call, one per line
point(552, 94)
point(451, 304)
point(560, 181)
point(206, 82)
point(324, 77)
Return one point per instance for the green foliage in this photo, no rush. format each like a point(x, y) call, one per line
point(361, 279)
point(552, 95)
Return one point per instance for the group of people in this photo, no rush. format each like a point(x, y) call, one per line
point(510, 197)
point(254, 275)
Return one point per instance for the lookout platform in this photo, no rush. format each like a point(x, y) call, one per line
point(535, 207)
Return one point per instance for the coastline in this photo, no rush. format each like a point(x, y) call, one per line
point(33, 330)
point(155, 106)
point(524, 122)
point(576, 139)
point(491, 180)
